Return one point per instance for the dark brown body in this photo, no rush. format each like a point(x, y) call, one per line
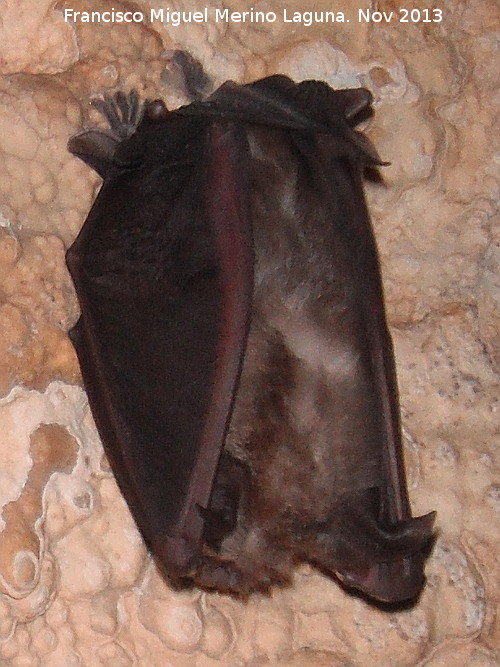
point(245, 389)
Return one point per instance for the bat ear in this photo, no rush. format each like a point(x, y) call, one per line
point(96, 148)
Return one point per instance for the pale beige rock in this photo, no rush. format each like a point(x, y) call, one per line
point(35, 39)
point(76, 584)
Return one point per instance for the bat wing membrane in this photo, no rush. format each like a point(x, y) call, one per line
point(158, 349)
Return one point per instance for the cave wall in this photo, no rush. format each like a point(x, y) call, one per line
point(76, 583)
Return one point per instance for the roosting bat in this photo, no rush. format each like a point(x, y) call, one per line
point(233, 340)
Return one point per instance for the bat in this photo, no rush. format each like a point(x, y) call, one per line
point(233, 341)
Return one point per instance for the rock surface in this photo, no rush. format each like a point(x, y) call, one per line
point(76, 584)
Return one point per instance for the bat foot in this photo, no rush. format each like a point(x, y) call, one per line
point(123, 112)
point(184, 70)
point(98, 148)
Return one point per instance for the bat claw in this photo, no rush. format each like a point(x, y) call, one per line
point(98, 148)
point(123, 112)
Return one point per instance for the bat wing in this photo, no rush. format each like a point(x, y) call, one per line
point(163, 273)
point(393, 567)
